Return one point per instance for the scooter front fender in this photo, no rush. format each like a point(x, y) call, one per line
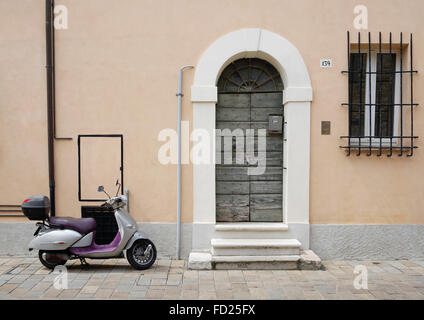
point(136, 236)
point(54, 239)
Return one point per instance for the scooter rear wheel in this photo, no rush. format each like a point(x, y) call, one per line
point(42, 255)
point(142, 254)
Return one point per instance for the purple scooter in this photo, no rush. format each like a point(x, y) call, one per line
point(60, 239)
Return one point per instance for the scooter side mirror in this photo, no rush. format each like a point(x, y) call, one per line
point(100, 189)
point(119, 187)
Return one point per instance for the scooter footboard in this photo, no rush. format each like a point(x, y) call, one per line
point(136, 236)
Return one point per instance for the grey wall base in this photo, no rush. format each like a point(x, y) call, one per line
point(15, 236)
point(350, 242)
point(367, 242)
point(164, 236)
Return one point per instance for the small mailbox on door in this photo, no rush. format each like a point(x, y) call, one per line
point(275, 124)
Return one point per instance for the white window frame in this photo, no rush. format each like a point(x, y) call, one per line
point(375, 141)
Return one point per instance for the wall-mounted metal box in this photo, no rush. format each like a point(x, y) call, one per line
point(275, 124)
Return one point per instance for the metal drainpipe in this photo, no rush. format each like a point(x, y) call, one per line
point(50, 125)
point(51, 100)
point(179, 95)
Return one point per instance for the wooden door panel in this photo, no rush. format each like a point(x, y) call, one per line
point(232, 125)
point(234, 100)
point(231, 173)
point(232, 214)
point(265, 207)
point(232, 200)
point(241, 197)
point(266, 187)
point(270, 174)
point(232, 208)
point(232, 114)
point(265, 215)
point(273, 144)
point(232, 187)
point(230, 159)
point(262, 114)
point(266, 100)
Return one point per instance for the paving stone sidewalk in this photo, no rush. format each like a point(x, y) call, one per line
point(26, 278)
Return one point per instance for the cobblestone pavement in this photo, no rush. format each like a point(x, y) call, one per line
point(26, 278)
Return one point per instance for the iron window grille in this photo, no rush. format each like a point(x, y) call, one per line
point(378, 115)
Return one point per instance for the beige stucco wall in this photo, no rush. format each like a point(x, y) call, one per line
point(116, 72)
point(23, 121)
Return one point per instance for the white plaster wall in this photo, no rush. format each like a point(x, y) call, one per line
point(296, 162)
point(204, 174)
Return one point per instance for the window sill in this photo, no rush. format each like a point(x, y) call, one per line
point(375, 142)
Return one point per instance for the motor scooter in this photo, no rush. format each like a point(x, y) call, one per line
point(59, 239)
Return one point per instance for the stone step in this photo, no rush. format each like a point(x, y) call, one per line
point(255, 247)
point(286, 262)
point(307, 260)
point(252, 230)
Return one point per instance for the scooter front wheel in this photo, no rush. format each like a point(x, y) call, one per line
point(51, 259)
point(142, 254)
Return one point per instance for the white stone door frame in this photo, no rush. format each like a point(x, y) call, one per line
point(297, 97)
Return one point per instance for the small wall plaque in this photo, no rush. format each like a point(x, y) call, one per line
point(325, 127)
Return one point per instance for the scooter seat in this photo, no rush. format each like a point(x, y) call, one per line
point(82, 225)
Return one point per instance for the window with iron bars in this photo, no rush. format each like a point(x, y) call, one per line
point(380, 118)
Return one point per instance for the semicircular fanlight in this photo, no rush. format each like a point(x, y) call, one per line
point(250, 75)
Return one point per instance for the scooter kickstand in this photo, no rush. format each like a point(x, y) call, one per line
point(84, 263)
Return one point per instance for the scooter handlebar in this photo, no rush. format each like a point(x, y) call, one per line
point(115, 202)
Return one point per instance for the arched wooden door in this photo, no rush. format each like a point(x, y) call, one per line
point(249, 90)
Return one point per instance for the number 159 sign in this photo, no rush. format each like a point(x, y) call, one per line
point(326, 63)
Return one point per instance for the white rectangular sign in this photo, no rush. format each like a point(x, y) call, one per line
point(326, 63)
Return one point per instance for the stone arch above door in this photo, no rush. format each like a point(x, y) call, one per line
point(297, 95)
point(256, 43)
